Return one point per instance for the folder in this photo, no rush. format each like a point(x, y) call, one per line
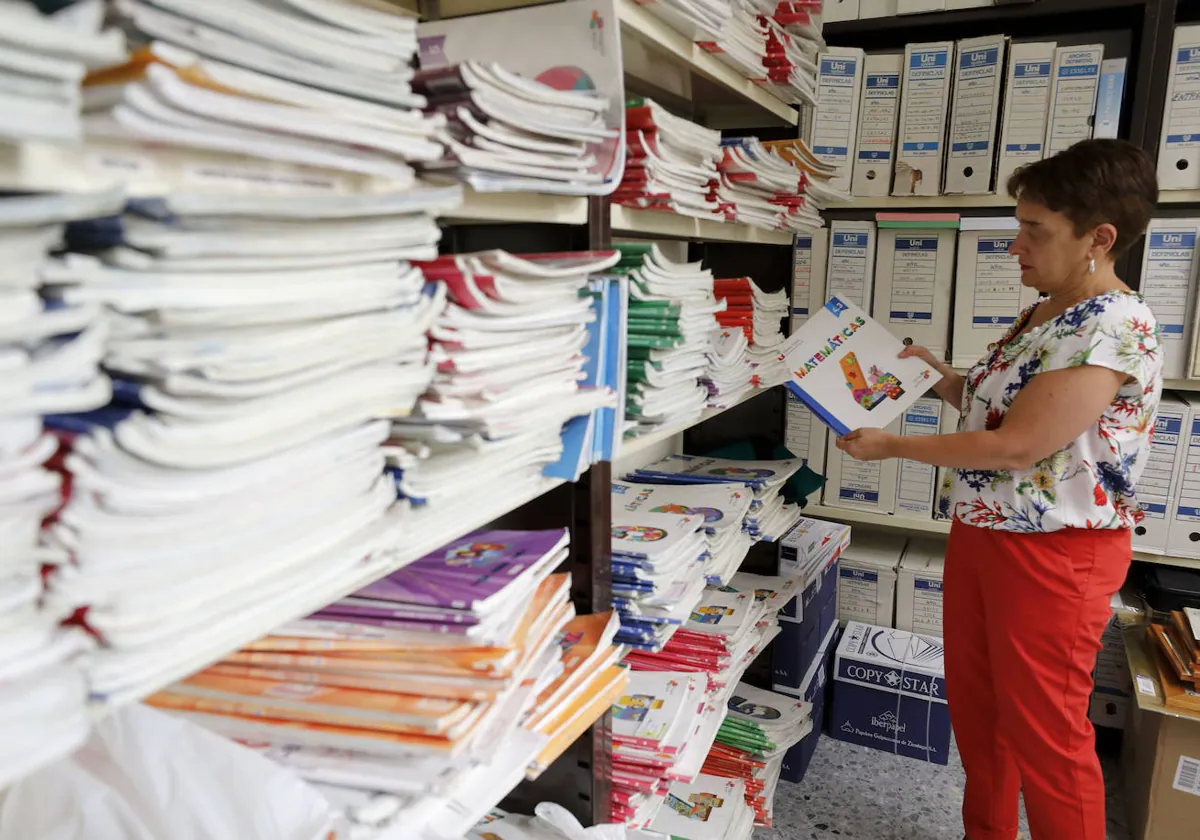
point(804, 434)
point(810, 256)
point(1179, 148)
point(851, 273)
point(916, 483)
point(1026, 108)
point(876, 150)
point(914, 275)
point(835, 131)
point(1073, 88)
point(1168, 284)
point(924, 106)
point(974, 115)
point(1157, 487)
point(1183, 535)
point(1108, 101)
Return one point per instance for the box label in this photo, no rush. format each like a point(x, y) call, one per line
point(1073, 98)
point(997, 294)
point(914, 278)
point(837, 92)
point(1187, 776)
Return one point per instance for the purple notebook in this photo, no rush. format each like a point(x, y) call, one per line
point(470, 572)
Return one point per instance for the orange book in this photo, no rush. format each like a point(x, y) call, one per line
point(393, 661)
point(451, 688)
point(587, 647)
point(573, 720)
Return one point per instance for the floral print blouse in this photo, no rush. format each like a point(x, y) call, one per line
point(1090, 482)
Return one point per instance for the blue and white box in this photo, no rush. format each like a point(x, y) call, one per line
point(1158, 485)
point(839, 86)
point(889, 693)
point(798, 641)
point(867, 578)
point(919, 587)
point(924, 107)
point(813, 689)
point(971, 156)
point(806, 553)
point(1183, 538)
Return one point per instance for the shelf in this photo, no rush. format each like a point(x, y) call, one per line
point(1181, 384)
point(638, 23)
point(415, 537)
point(632, 446)
point(922, 202)
point(1179, 196)
point(1002, 14)
point(1167, 560)
point(511, 207)
point(629, 221)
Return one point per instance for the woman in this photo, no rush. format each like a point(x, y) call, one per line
point(1054, 432)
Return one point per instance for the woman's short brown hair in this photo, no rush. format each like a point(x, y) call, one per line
point(1093, 182)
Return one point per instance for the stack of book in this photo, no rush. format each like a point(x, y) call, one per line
point(1176, 653)
point(670, 163)
point(707, 808)
point(670, 329)
point(51, 363)
point(760, 316)
point(815, 175)
point(46, 59)
point(658, 573)
point(439, 686)
point(730, 374)
point(762, 189)
point(723, 506)
point(783, 61)
point(752, 741)
point(505, 132)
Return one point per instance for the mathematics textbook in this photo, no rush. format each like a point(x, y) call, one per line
point(846, 368)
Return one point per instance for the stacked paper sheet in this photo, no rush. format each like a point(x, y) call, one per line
point(658, 568)
point(505, 132)
point(50, 359)
point(768, 518)
point(723, 506)
point(670, 164)
point(670, 331)
point(438, 686)
point(313, 83)
point(730, 374)
point(258, 346)
point(760, 316)
point(763, 189)
point(758, 731)
point(43, 58)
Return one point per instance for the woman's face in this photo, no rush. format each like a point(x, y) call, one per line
point(1051, 256)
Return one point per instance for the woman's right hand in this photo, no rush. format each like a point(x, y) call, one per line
point(922, 353)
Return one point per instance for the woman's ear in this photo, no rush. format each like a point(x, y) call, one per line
point(1104, 238)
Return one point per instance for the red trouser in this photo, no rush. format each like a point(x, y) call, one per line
point(1023, 620)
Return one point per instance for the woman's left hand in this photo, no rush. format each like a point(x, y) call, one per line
point(868, 444)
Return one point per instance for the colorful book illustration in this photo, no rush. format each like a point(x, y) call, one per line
point(869, 393)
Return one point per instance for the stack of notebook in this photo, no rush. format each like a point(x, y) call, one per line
point(46, 57)
point(730, 374)
point(707, 808)
point(316, 83)
point(670, 163)
point(670, 330)
point(752, 741)
point(782, 61)
point(505, 132)
point(50, 358)
point(658, 568)
point(760, 316)
point(440, 685)
point(815, 174)
point(723, 506)
point(762, 189)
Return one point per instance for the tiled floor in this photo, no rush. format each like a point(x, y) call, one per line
point(856, 793)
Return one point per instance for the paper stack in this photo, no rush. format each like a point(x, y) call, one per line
point(760, 316)
point(708, 808)
point(815, 175)
point(314, 83)
point(723, 506)
point(45, 59)
point(670, 328)
point(752, 741)
point(762, 189)
point(658, 568)
point(505, 132)
point(730, 375)
point(670, 164)
point(783, 61)
point(50, 358)
point(439, 686)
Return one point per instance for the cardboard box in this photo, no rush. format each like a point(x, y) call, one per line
point(1169, 286)
point(1179, 147)
point(851, 273)
point(1160, 760)
point(974, 115)
point(867, 572)
point(889, 693)
point(810, 258)
point(919, 587)
point(988, 293)
point(839, 86)
point(1109, 710)
point(1073, 88)
point(924, 106)
point(914, 276)
point(868, 9)
point(860, 485)
point(1109, 98)
point(813, 689)
point(1157, 487)
point(875, 152)
point(916, 483)
point(1183, 533)
point(1026, 108)
point(807, 553)
point(815, 612)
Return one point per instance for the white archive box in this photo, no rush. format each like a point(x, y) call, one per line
point(941, 505)
point(1026, 108)
point(914, 277)
point(876, 149)
point(1179, 148)
point(867, 573)
point(924, 105)
point(919, 587)
point(916, 483)
point(1169, 286)
point(851, 272)
point(836, 10)
point(868, 9)
point(1183, 534)
point(1156, 488)
point(988, 293)
point(804, 434)
point(974, 115)
point(1074, 83)
point(810, 256)
point(860, 485)
point(835, 130)
point(1107, 123)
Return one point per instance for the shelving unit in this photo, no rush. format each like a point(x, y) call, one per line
point(634, 446)
point(921, 202)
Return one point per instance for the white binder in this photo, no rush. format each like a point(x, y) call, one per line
point(1157, 486)
point(851, 273)
point(1073, 88)
point(1026, 108)
point(974, 115)
point(876, 150)
point(1179, 148)
point(924, 106)
point(835, 131)
point(1169, 286)
point(810, 256)
point(914, 275)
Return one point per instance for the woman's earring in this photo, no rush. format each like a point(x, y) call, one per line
point(1092, 266)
